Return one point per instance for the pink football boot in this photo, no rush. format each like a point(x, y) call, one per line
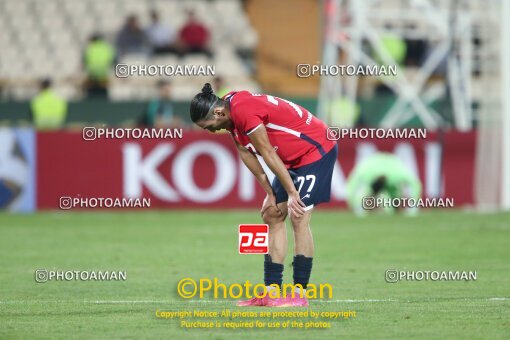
point(296, 301)
point(265, 301)
point(251, 302)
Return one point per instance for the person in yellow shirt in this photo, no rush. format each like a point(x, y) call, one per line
point(98, 60)
point(396, 48)
point(220, 87)
point(49, 111)
point(344, 112)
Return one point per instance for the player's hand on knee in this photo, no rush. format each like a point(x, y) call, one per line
point(295, 205)
point(270, 202)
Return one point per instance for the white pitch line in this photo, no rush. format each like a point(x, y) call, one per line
point(369, 300)
point(126, 302)
point(326, 301)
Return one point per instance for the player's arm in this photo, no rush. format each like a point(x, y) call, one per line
point(260, 141)
point(254, 166)
point(256, 169)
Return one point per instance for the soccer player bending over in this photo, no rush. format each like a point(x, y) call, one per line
point(294, 146)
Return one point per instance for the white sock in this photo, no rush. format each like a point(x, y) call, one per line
point(270, 288)
point(298, 292)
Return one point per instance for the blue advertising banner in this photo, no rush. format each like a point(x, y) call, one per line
point(17, 169)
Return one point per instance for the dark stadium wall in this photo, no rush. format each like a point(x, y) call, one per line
point(98, 112)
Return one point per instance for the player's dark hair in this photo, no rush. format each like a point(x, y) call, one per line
point(45, 83)
point(378, 185)
point(202, 103)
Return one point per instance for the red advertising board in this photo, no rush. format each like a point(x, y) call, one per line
point(202, 170)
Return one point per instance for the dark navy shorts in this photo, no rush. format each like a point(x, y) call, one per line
point(313, 181)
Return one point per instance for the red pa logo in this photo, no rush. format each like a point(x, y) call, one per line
point(253, 239)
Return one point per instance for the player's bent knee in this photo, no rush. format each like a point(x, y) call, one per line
point(298, 221)
point(273, 216)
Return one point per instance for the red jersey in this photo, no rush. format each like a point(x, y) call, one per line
point(298, 137)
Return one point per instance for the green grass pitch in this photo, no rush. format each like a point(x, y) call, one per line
point(158, 248)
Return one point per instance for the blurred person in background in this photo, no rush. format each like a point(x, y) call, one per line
point(382, 175)
point(98, 60)
point(162, 38)
point(219, 86)
point(131, 39)
point(48, 110)
point(394, 45)
point(344, 112)
point(194, 36)
point(160, 111)
point(396, 48)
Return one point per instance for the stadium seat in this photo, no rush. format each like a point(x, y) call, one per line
point(56, 33)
